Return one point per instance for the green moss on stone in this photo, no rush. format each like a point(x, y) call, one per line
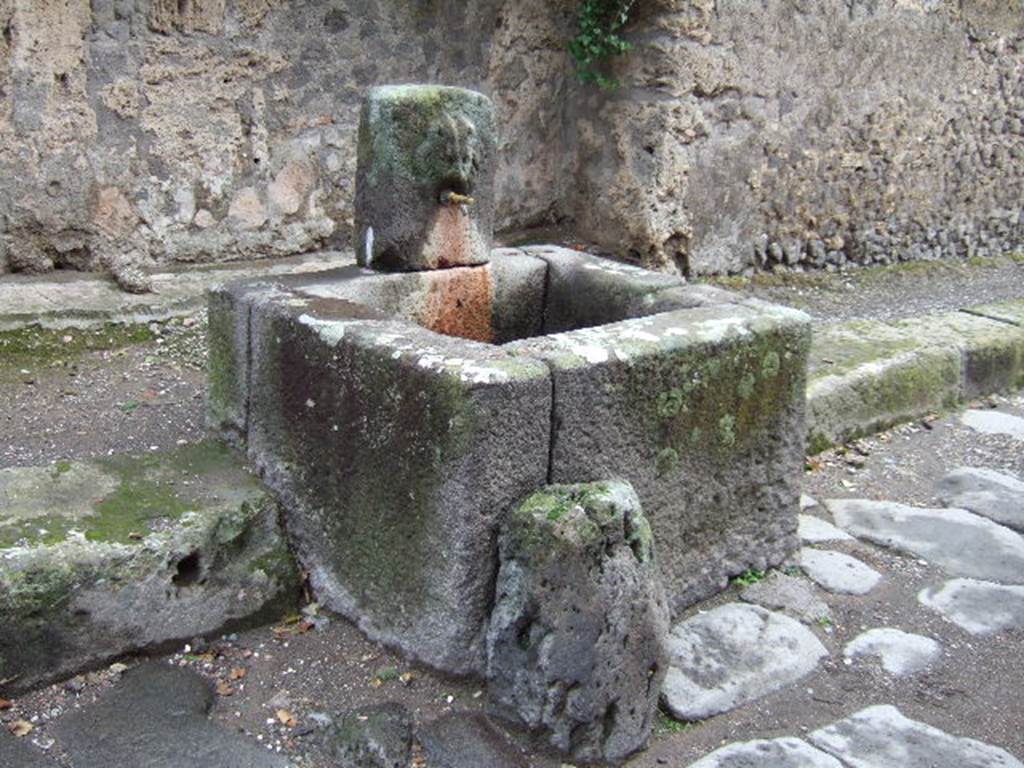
point(222, 367)
point(560, 519)
point(33, 346)
point(718, 400)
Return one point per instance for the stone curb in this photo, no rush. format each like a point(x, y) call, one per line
point(868, 375)
point(79, 300)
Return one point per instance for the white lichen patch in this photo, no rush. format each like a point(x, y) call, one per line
point(331, 331)
point(614, 268)
point(636, 334)
point(720, 328)
point(591, 353)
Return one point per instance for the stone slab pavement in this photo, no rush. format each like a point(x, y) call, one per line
point(921, 647)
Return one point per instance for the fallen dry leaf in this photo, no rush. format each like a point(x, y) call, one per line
point(296, 628)
point(286, 718)
point(237, 673)
point(223, 689)
point(5, 704)
point(21, 728)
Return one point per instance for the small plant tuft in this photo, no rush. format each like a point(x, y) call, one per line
point(667, 724)
point(748, 577)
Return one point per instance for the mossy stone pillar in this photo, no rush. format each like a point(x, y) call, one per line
point(424, 178)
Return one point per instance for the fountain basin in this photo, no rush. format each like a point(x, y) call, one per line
point(401, 416)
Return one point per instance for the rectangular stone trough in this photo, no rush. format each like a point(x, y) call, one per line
point(401, 416)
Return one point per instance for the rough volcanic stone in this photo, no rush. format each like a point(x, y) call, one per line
point(838, 572)
point(774, 753)
point(584, 290)
point(576, 643)
point(495, 302)
point(962, 543)
point(979, 607)
point(127, 553)
point(780, 592)
point(702, 411)
point(416, 145)
point(900, 653)
point(881, 737)
point(814, 530)
point(156, 717)
point(734, 654)
point(397, 451)
point(994, 423)
point(372, 737)
point(16, 753)
point(986, 492)
point(463, 740)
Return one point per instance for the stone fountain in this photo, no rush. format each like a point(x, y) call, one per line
point(438, 417)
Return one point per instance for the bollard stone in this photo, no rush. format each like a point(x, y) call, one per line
point(424, 178)
point(576, 648)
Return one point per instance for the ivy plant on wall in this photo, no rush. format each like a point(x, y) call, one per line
point(599, 38)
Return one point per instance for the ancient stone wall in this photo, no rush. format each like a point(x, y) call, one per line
point(813, 132)
point(141, 131)
point(745, 134)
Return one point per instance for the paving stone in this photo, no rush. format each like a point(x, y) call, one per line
point(979, 607)
point(994, 423)
point(806, 502)
point(16, 753)
point(462, 740)
point(881, 737)
point(764, 753)
point(734, 654)
point(963, 543)
point(995, 495)
point(901, 653)
point(814, 530)
point(371, 737)
point(787, 593)
point(837, 572)
point(157, 718)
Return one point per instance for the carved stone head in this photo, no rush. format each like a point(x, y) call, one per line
point(424, 178)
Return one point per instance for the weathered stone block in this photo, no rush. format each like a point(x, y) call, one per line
point(584, 290)
point(494, 302)
point(702, 411)
point(991, 351)
point(103, 558)
point(418, 146)
point(867, 375)
point(576, 646)
point(397, 452)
